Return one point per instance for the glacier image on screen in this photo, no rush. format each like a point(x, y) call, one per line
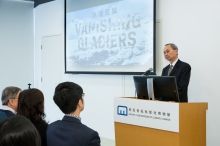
point(119, 33)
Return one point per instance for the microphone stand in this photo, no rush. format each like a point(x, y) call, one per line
point(29, 86)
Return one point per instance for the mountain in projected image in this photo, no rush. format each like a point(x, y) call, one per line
point(110, 35)
point(134, 56)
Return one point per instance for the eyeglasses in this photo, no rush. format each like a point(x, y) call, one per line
point(83, 95)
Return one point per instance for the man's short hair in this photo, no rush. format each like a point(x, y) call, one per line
point(173, 46)
point(9, 93)
point(67, 96)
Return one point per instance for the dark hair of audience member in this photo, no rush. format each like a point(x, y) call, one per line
point(31, 105)
point(18, 131)
point(67, 96)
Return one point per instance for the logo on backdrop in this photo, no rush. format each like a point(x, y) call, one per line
point(122, 110)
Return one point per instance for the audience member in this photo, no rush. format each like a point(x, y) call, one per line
point(69, 131)
point(18, 131)
point(31, 106)
point(9, 102)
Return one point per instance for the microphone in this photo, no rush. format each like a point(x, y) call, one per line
point(147, 72)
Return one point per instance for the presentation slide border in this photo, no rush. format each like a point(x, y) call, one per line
point(113, 72)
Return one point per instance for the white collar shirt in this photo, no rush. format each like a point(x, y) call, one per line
point(4, 107)
point(173, 64)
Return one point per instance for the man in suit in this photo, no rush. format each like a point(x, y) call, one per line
point(9, 102)
point(177, 68)
point(69, 131)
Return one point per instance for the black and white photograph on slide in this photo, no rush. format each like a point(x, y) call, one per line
point(111, 36)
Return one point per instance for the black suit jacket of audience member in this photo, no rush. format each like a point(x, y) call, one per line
point(71, 132)
point(42, 129)
point(182, 73)
point(5, 114)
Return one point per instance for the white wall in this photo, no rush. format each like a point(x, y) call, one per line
point(16, 43)
point(192, 25)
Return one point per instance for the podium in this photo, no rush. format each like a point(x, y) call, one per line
point(157, 123)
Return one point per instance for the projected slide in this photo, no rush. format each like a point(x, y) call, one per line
point(112, 37)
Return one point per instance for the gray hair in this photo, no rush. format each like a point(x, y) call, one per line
point(173, 46)
point(9, 93)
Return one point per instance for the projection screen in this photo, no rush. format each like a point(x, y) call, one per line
point(109, 36)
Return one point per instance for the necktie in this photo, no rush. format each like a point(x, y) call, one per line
point(170, 69)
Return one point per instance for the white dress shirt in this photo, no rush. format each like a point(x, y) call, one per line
point(4, 107)
point(173, 64)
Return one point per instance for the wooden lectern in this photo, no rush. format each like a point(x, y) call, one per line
point(192, 129)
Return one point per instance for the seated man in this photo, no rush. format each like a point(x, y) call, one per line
point(69, 131)
point(9, 102)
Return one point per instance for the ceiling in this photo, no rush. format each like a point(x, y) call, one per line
point(37, 2)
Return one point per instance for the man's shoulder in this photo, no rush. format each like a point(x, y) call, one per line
point(54, 123)
point(60, 126)
point(60, 123)
point(63, 123)
point(72, 132)
point(88, 128)
point(166, 66)
point(5, 114)
point(8, 113)
point(184, 64)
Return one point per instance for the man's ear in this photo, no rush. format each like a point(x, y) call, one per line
point(176, 52)
point(10, 101)
point(80, 103)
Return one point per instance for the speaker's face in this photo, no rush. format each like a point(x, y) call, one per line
point(170, 54)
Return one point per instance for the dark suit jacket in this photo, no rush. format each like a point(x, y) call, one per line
point(5, 114)
point(71, 132)
point(182, 72)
